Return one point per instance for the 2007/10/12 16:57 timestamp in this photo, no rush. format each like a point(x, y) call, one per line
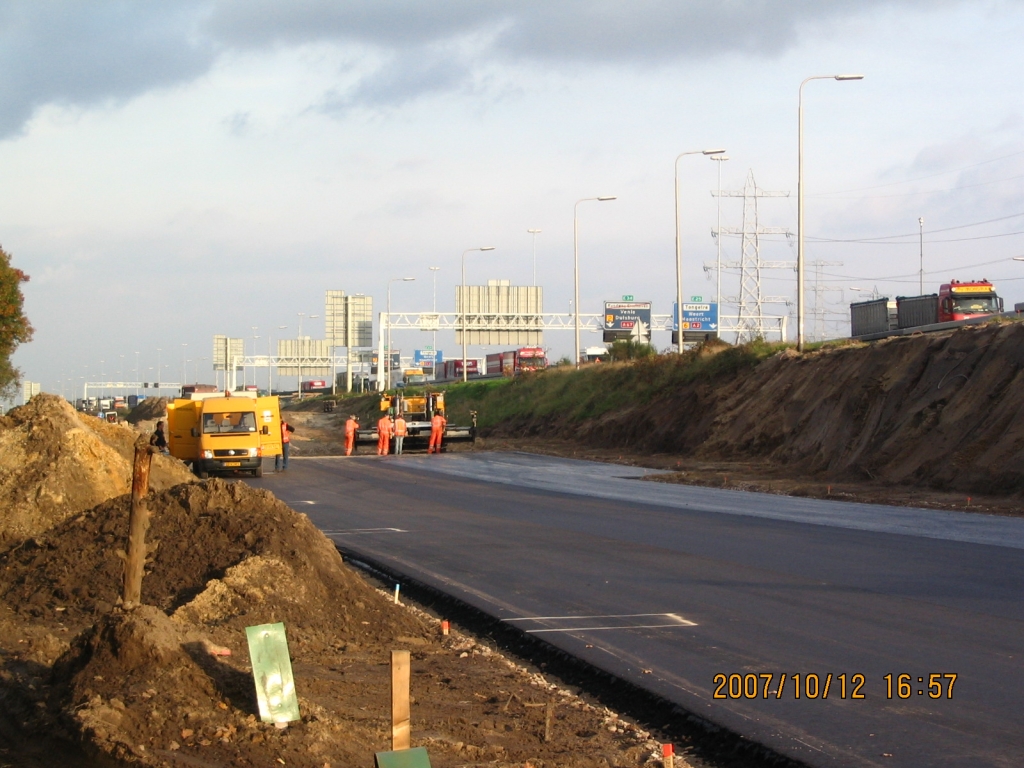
point(770, 685)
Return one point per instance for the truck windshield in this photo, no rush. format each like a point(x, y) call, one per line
point(229, 423)
point(968, 305)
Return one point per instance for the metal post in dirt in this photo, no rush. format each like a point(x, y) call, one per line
point(138, 524)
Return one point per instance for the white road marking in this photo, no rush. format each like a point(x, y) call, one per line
point(623, 626)
point(601, 616)
point(677, 621)
point(356, 531)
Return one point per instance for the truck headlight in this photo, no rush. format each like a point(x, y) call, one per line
point(207, 454)
point(253, 452)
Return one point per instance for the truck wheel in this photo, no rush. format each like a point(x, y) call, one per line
point(258, 472)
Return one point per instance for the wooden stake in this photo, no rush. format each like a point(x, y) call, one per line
point(549, 715)
point(138, 525)
point(668, 754)
point(400, 720)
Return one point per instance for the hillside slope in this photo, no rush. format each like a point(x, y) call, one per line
point(941, 411)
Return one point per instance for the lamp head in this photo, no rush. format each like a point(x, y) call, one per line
point(849, 77)
point(487, 248)
point(607, 197)
point(714, 152)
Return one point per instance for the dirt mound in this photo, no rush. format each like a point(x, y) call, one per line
point(55, 463)
point(152, 408)
point(249, 558)
point(941, 411)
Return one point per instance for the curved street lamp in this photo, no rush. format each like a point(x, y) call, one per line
point(387, 362)
point(465, 373)
point(800, 203)
point(576, 265)
point(679, 246)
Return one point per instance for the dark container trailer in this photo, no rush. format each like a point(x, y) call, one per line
point(875, 316)
point(913, 311)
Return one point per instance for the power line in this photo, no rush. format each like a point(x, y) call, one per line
point(928, 191)
point(919, 178)
point(876, 242)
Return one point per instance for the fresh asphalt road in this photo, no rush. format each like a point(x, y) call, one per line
point(668, 585)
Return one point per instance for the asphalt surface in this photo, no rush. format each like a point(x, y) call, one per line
point(669, 585)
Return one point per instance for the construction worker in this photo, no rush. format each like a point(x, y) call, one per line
point(384, 433)
point(400, 432)
point(281, 460)
point(351, 425)
point(437, 425)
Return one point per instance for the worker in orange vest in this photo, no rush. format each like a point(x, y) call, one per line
point(400, 432)
point(385, 431)
point(281, 460)
point(351, 425)
point(437, 425)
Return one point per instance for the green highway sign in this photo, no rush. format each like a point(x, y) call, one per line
point(697, 299)
point(627, 297)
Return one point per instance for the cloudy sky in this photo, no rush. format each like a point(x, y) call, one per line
point(176, 170)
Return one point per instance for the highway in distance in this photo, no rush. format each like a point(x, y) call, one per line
point(672, 586)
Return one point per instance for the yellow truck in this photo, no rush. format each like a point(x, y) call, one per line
point(224, 433)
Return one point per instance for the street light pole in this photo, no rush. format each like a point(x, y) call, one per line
point(465, 373)
point(920, 224)
point(718, 292)
point(433, 340)
point(387, 367)
point(800, 203)
point(184, 363)
point(576, 266)
point(679, 245)
point(534, 232)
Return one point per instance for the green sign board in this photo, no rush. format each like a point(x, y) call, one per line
point(272, 671)
point(406, 758)
point(627, 297)
point(697, 299)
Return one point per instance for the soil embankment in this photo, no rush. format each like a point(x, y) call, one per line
point(938, 411)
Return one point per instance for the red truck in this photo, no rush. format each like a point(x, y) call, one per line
point(954, 301)
point(959, 301)
point(514, 362)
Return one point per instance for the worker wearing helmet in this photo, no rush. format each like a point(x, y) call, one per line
point(437, 425)
point(400, 432)
point(384, 432)
point(351, 425)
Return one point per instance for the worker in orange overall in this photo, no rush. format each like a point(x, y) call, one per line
point(385, 430)
point(351, 425)
point(437, 425)
point(400, 432)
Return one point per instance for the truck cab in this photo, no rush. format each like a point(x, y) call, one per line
point(960, 301)
point(224, 434)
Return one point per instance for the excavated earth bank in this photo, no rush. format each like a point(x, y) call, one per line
point(939, 411)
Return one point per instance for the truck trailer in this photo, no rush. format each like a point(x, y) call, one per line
point(516, 361)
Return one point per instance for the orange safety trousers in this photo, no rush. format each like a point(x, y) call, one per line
point(350, 441)
point(435, 440)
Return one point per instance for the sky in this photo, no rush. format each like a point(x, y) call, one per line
point(173, 171)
